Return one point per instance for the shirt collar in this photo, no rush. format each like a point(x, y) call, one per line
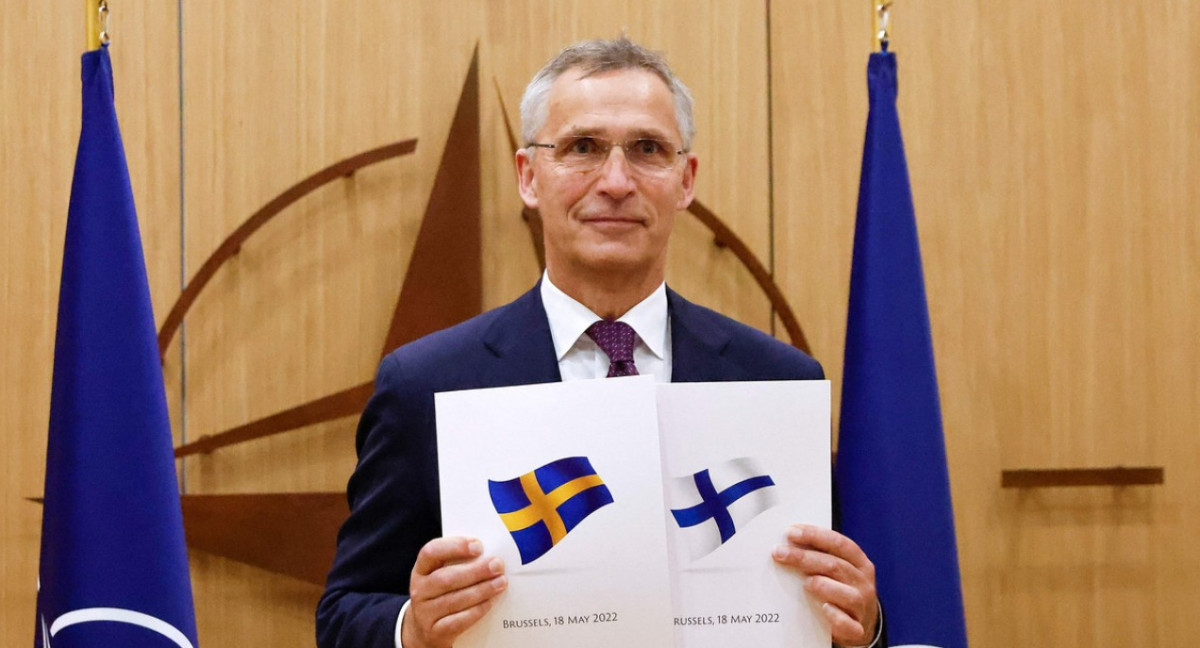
point(569, 319)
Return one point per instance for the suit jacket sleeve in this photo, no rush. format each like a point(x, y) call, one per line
point(393, 513)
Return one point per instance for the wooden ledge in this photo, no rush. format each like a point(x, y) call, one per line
point(1051, 478)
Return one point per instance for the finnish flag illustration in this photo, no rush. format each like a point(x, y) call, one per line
point(710, 506)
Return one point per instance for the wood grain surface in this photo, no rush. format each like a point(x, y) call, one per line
point(1053, 150)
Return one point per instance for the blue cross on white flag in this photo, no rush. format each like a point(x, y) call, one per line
point(710, 506)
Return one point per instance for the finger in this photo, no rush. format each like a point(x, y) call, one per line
point(438, 552)
point(819, 563)
point(827, 590)
point(843, 629)
point(457, 601)
point(448, 628)
point(830, 542)
point(856, 602)
point(454, 577)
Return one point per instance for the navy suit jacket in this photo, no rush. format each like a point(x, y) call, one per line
point(393, 493)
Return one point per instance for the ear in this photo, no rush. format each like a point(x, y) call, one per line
point(526, 182)
point(688, 182)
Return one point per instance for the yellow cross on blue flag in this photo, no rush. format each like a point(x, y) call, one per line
point(541, 507)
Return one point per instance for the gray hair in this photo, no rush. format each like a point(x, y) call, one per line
point(594, 57)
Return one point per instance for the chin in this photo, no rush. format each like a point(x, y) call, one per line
point(617, 262)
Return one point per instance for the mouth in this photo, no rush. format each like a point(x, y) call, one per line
point(611, 220)
point(613, 225)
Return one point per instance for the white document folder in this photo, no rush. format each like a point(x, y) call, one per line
point(604, 582)
point(630, 513)
point(741, 462)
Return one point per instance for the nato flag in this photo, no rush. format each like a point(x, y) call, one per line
point(891, 464)
point(114, 569)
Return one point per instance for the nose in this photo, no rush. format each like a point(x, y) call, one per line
point(616, 176)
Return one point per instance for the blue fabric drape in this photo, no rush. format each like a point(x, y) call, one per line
point(114, 569)
point(891, 467)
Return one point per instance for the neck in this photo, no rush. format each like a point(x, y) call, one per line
point(607, 295)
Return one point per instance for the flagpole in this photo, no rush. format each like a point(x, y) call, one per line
point(95, 23)
point(880, 16)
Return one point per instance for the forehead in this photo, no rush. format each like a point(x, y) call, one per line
point(617, 103)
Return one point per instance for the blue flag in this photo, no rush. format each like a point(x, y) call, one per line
point(891, 464)
point(541, 507)
point(114, 569)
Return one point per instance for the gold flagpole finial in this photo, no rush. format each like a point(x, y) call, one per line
point(879, 12)
point(96, 23)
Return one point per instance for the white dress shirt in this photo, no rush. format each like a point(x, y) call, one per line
point(580, 358)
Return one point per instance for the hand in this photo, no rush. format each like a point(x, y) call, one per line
point(452, 586)
point(838, 574)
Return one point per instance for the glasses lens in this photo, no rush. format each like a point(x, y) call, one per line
point(581, 153)
point(649, 154)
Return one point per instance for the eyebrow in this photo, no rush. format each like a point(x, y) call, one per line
point(641, 133)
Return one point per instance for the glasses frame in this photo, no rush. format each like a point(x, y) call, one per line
point(624, 147)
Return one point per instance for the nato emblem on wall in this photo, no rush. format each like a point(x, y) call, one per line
point(291, 533)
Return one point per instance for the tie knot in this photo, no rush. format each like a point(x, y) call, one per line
point(616, 339)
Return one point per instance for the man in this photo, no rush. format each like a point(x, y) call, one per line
point(608, 130)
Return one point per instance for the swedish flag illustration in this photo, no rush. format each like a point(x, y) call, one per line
point(541, 507)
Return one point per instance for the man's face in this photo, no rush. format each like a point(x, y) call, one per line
point(616, 218)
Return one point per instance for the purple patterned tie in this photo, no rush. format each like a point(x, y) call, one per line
point(616, 340)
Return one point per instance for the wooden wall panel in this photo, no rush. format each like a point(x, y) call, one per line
point(34, 220)
point(1050, 147)
point(302, 310)
point(818, 88)
point(271, 95)
point(39, 131)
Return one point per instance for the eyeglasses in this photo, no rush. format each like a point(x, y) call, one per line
point(586, 153)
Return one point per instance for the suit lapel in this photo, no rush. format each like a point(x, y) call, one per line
point(520, 340)
point(697, 345)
